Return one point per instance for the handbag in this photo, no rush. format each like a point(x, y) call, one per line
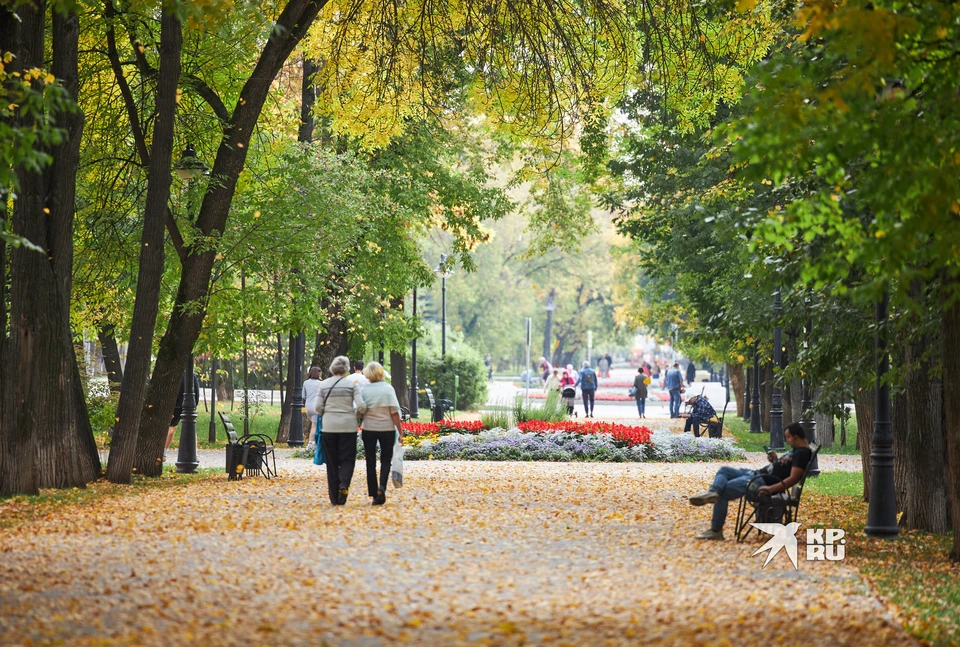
point(318, 457)
point(396, 465)
point(632, 392)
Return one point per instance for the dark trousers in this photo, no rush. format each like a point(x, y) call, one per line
point(588, 395)
point(370, 440)
point(694, 422)
point(340, 451)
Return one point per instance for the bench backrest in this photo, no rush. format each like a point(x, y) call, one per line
point(430, 399)
point(797, 489)
point(228, 427)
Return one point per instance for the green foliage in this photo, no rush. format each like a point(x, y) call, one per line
point(496, 417)
point(461, 360)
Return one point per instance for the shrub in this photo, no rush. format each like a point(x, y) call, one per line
point(439, 375)
point(552, 410)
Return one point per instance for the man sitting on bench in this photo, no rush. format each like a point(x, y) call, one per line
point(730, 483)
point(702, 412)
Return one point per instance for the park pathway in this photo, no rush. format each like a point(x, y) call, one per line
point(465, 553)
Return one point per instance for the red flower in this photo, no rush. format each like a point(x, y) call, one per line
point(631, 435)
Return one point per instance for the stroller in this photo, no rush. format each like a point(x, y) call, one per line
point(569, 396)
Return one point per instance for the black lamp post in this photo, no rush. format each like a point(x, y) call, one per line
point(295, 436)
point(882, 510)
point(414, 387)
point(808, 421)
point(776, 400)
point(755, 402)
point(189, 167)
point(444, 274)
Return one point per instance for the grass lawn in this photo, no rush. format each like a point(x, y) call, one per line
point(755, 442)
point(912, 572)
point(262, 421)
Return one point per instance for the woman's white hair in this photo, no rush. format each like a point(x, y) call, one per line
point(373, 372)
point(340, 365)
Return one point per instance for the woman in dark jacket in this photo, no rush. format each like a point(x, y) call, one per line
point(640, 392)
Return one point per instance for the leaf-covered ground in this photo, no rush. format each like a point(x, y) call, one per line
point(479, 553)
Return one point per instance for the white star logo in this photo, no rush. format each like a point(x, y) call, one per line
point(784, 536)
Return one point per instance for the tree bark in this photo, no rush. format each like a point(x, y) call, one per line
point(398, 371)
point(900, 427)
point(332, 341)
point(865, 402)
point(186, 319)
point(283, 429)
point(111, 356)
point(735, 371)
point(950, 326)
point(45, 435)
point(147, 303)
point(825, 430)
point(924, 452)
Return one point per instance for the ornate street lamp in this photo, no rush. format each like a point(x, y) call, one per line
point(188, 168)
point(755, 427)
point(444, 273)
point(882, 509)
point(776, 404)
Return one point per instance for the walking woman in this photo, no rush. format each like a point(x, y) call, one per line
point(310, 389)
point(339, 403)
point(380, 423)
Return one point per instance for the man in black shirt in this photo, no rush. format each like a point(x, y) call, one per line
point(730, 483)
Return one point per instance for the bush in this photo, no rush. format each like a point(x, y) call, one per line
point(101, 407)
point(461, 359)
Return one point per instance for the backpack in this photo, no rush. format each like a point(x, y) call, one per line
point(590, 380)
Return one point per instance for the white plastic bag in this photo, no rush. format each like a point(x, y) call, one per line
point(396, 465)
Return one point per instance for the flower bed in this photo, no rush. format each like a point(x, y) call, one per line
point(626, 433)
point(445, 427)
point(518, 445)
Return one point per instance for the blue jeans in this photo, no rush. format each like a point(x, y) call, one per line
point(675, 403)
point(588, 397)
point(641, 406)
point(731, 484)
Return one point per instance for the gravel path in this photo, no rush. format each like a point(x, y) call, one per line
point(465, 553)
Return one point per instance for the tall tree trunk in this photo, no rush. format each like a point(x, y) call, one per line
point(924, 450)
point(332, 341)
point(825, 430)
point(147, 303)
point(950, 327)
point(185, 322)
point(865, 402)
point(283, 429)
point(398, 371)
point(111, 356)
point(900, 426)
point(45, 435)
point(735, 371)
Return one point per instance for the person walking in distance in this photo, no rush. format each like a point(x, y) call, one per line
point(588, 388)
point(640, 392)
point(673, 382)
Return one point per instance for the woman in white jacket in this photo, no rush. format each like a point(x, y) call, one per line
point(310, 389)
point(339, 403)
